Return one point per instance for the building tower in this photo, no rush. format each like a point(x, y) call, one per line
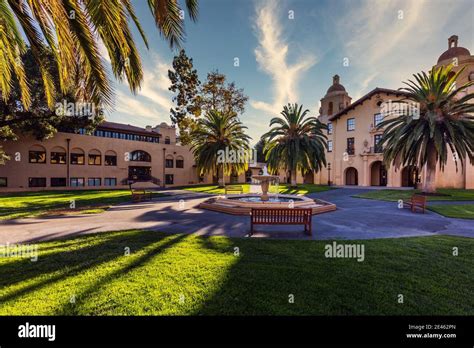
point(335, 100)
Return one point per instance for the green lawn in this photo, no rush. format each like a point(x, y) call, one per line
point(302, 189)
point(463, 211)
point(28, 204)
point(192, 275)
point(395, 195)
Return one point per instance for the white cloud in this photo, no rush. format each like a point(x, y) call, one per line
point(390, 42)
point(132, 106)
point(152, 101)
point(156, 83)
point(272, 58)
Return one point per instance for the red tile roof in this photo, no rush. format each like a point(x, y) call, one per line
point(369, 95)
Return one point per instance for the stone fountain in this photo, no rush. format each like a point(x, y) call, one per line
point(265, 180)
point(242, 204)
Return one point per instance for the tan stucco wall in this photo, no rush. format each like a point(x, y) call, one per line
point(19, 171)
point(364, 119)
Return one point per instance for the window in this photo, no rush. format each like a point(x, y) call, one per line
point(377, 119)
point(93, 182)
point(179, 163)
point(110, 160)
point(37, 156)
point(140, 156)
point(167, 140)
point(36, 182)
point(3, 182)
point(351, 125)
point(169, 179)
point(329, 127)
point(330, 108)
point(58, 182)
point(377, 147)
point(329, 145)
point(169, 163)
point(350, 146)
point(110, 181)
point(77, 158)
point(95, 160)
point(58, 158)
point(76, 182)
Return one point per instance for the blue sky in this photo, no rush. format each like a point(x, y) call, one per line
point(285, 59)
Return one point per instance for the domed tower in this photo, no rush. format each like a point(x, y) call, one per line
point(459, 57)
point(454, 52)
point(335, 100)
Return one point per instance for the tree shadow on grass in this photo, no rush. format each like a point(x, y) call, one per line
point(82, 297)
point(72, 262)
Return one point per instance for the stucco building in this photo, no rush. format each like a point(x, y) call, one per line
point(118, 154)
point(115, 155)
point(354, 154)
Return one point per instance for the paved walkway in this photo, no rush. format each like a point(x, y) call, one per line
point(355, 219)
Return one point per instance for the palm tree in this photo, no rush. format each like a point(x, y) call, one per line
point(215, 134)
point(74, 30)
point(295, 142)
point(442, 122)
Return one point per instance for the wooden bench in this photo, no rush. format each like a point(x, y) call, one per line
point(416, 201)
point(234, 188)
point(281, 216)
point(141, 195)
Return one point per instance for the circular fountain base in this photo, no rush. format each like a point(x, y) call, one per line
point(243, 204)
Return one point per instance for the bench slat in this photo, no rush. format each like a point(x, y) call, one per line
point(281, 216)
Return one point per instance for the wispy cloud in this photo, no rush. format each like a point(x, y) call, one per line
point(388, 43)
point(272, 58)
point(153, 100)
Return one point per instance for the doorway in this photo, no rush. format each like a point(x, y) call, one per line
point(378, 174)
point(352, 176)
point(139, 173)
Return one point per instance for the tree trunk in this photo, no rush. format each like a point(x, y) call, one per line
point(293, 178)
point(221, 176)
point(429, 186)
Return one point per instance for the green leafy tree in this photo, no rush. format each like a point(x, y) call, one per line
point(259, 147)
point(73, 31)
point(184, 83)
point(443, 122)
point(296, 142)
point(39, 120)
point(217, 94)
point(216, 132)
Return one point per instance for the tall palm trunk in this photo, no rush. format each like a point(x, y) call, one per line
point(293, 178)
point(429, 186)
point(221, 175)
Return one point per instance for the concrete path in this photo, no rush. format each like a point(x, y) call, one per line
point(355, 219)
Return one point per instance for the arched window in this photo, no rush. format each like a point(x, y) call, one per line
point(95, 158)
point(140, 156)
point(167, 140)
point(77, 156)
point(330, 108)
point(169, 161)
point(37, 154)
point(110, 158)
point(58, 155)
point(179, 162)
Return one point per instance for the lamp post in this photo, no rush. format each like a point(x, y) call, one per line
point(329, 173)
point(68, 161)
point(164, 168)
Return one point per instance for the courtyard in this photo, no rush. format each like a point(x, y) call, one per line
point(176, 211)
point(169, 257)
